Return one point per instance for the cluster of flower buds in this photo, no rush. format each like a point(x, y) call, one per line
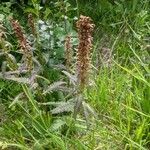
point(24, 44)
point(85, 29)
point(68, 51)
point(31, 24)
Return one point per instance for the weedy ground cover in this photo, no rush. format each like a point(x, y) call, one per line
point(72, 78)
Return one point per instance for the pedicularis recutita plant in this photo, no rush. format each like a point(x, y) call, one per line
point(23, 43)
point(31, 24)
point(68, 52)
point(85, 29)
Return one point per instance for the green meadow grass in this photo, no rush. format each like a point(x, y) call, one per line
point(119, 94)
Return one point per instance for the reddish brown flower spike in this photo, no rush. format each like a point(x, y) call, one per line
point(18, 31)
point(31, 24)
point(24, 45)
point(85, 29)
point(68, 51)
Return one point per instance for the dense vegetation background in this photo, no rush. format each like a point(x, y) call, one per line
point(47, 50)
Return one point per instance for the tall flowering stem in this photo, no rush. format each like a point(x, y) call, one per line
point(34, 30)
point(24, 44)
point(32, 24)
point(68, 52)
point(85, 29)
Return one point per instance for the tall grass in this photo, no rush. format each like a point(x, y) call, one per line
point(118, 91)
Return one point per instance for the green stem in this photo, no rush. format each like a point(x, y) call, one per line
point(77, 8)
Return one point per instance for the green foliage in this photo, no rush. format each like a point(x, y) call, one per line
point(37, 107)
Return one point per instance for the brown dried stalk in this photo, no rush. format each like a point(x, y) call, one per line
point(24, 44)
point(85, 29)
point(68, 51)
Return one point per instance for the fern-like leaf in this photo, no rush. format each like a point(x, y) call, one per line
point(54, 86)
point(66, 107)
